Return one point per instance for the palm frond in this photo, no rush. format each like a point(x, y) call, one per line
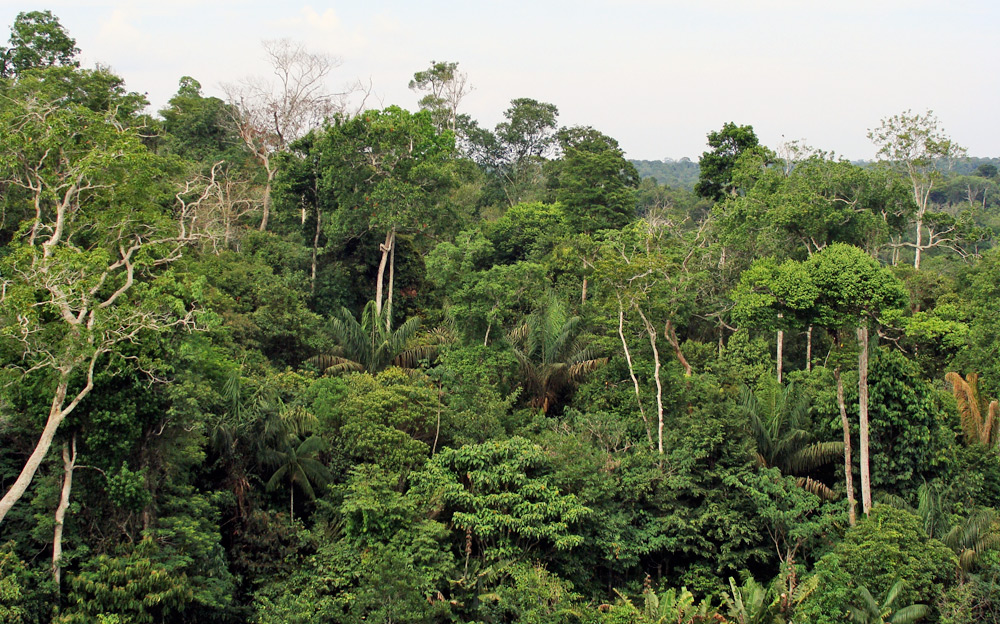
point(814, 456)
point(276, 478)
point(815, 487)
point(576, 372)
point(912, 613)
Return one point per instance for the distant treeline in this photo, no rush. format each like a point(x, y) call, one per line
point(683, 173)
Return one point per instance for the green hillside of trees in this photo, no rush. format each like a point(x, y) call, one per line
point(280, 358)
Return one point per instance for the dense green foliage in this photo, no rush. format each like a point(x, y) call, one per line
point(479, 375)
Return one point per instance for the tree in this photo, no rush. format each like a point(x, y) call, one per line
point(370, 346)
point(595, 184)
point(912, 144)
point(841, 286)
point(513, 153)
point(551, 355)
point(447, 87)
point(387, 171)
point(37, 40)
point(268, 116)
point(715, 179)
point(96, 229)
point(498, 493)
point(886, 546)
point(199, 128)
point(294, 461)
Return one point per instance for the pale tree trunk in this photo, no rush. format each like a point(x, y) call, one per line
point(58, 411)
point(384, 248)
point(848, 473)
point(809, 348)
point(920, 239)
point(656, 375)
point(69, 464)
point(671, 335)
point(392, 272)
point(267, 194)
point(866, 483)
point(583, 292)
point(631, 371)
point(315, 251)
point(780, 352)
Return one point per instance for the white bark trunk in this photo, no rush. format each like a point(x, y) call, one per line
point(866, 483)
point(656, 375)
point(809, 348)
point(384, 248)
point(58, 411)
point(267, 195)
point(848, 473)
point(69, 464)
point(631, 371)
point(392, 272)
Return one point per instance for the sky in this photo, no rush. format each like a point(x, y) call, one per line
point(657, 75)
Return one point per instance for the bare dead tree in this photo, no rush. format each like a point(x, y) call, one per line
point(269, 113)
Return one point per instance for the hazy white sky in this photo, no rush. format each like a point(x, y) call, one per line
point(655, 74)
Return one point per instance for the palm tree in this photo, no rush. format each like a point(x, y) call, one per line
point(980, 421)
point(774, 416)
point(370, 346)
point(969, 538)
point(551, 359)
point(294, 461)
point(871, 612)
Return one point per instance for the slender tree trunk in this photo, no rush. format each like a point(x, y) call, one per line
point(631, 371)
point(315, 251)
point(848, 473)
point(392, 272)
point(271, 171)
point(58, 411)
point(384, 248)
point(866, 483)
point(809, 348)
point(920, 240)
point(583, 292)
point(779, 356)
point(656, 375)
point(671, 335)
point(69, 464)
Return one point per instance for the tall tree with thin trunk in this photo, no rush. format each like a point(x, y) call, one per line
point(916, 147)
point(384, 171)
point(838, 287)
